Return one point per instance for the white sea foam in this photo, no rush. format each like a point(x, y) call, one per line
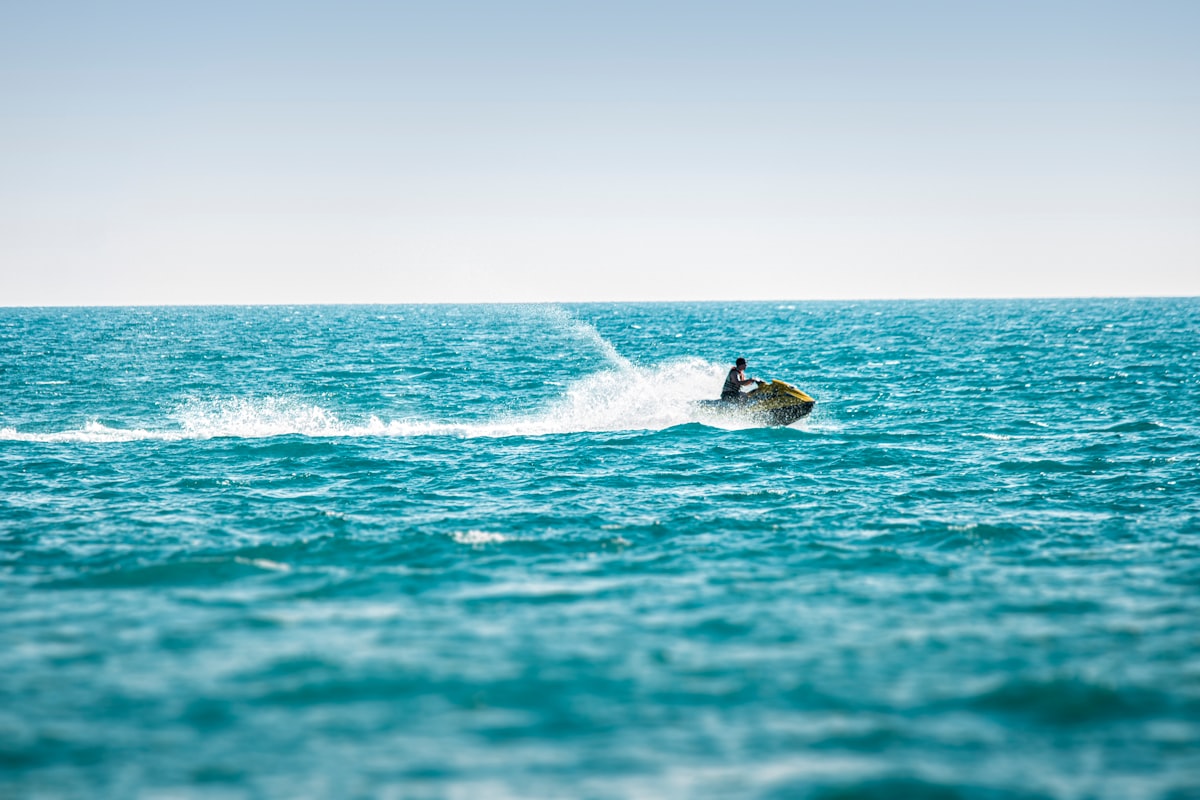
point(475, 538)
point(264, 563)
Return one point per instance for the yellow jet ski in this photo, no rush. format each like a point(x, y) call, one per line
point(774, 403)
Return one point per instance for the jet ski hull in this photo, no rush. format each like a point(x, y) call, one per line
point(775, 404)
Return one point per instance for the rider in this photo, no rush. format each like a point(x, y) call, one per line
point(734, 381)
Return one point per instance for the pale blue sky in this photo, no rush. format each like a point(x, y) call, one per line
point(284, 152)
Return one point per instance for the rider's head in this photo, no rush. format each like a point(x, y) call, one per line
point(741, 363)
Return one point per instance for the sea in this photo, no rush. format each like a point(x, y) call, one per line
point(498, 551)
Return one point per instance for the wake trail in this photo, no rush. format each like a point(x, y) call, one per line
point(620, 397)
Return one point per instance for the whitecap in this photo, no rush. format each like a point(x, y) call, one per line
point(477, 537)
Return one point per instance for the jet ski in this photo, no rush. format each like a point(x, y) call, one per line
point(773, 403)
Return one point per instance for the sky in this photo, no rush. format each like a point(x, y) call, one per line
point(404, 152)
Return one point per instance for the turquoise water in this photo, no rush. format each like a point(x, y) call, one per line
point(495, 551)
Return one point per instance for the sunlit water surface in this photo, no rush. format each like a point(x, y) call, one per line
point(497, 551)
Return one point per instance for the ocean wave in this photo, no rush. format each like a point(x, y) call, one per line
point(1044, 465)
point(477, 538)
point(886, 788)
point(91, 432)
point(1142, 426)
point(1069, 701)
point(191, 571)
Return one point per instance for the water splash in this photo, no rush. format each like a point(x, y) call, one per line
point(587, 333)
point(621, 399)
point(257, 418)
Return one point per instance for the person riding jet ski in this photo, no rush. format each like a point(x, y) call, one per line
point(735, 380)
point(773, 403)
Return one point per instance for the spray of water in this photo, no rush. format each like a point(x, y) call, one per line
point(587, 333)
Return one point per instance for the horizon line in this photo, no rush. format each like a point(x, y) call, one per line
point(284, 304)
